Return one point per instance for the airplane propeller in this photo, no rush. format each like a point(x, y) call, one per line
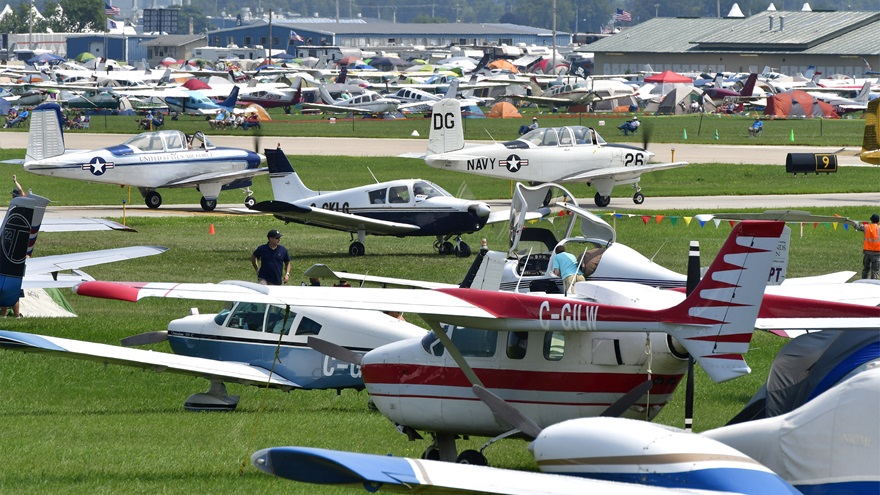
point(145, 338)
point(335, 351)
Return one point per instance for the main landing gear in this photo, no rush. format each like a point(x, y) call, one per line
point(444, 247)
point(215, 399)
point(443, 449)
point(603, 201)
point(208, 204)
point(357, 246)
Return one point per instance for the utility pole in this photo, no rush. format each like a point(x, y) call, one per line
point(270, 37)
point(656, 10)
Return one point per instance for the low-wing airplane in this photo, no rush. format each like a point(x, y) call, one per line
point(148, 161)
point(368, 103)
point(407, 207)
point(552, 154)
point(718, 94)
point(196, 103)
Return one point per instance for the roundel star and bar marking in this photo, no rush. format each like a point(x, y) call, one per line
point(97, 165)
point(513, 163)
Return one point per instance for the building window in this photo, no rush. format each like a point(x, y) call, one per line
point(230, 40)
point(216, 41)
point(263, 40)
point(248, 40)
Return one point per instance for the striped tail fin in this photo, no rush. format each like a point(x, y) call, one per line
point(715, 322)
point(46, 135)
point(286, 184)
point(19, 232)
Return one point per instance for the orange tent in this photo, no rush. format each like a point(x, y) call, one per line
point(798, 104)
point(502, 64)
point(504, 110)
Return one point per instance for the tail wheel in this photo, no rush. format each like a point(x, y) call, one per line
point(356, 249)
point(208, 204)
point(153, 200)
point(602, 201)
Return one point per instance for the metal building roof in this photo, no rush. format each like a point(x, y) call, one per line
point(381, 27)
point(663, 35)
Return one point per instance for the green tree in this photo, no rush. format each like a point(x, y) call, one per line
point(82, 16)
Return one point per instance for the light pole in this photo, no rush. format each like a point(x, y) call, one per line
point(656, 10)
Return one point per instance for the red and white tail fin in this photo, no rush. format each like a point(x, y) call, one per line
point(715, 322)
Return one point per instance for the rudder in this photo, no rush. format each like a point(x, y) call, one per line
point(446, 133)
point(46, 134)
point(286, 184)
point(19, 226)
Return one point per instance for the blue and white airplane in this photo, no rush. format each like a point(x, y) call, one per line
point(148, 161)
point(196, 103)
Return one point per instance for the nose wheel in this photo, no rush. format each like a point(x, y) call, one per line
point(459, 248)
point(208, 204)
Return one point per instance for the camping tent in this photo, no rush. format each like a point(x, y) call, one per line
point(798, 104)
point(503, 65)
point(678, 101)
point(668, 80)
point(504, 110)
point(261, 112)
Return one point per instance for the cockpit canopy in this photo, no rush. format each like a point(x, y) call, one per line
point(167, 141)
point(559, 136)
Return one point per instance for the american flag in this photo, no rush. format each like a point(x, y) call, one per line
point(623, 15)
point(111, 10)
point(295, 37)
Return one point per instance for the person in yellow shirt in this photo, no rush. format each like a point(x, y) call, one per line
point(871, 247)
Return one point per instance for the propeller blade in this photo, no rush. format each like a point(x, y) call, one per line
point(625, 402)
point(334, 350)
point(507, 412)
point(693, 278)
point(646, 135)
point(145, 338)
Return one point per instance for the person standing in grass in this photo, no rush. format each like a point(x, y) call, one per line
point(274, 261)
point(871, 247)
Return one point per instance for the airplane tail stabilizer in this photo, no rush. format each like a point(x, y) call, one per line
point(864, 94)
point(871, 141)
point(46, 135)
point(286, 184)
point(749, 87)
point(447, 133)
point(230, 101)
point(19, 231)
point(325, 95)
point(716, 321)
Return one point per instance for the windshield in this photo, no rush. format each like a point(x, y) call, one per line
point(425, 189)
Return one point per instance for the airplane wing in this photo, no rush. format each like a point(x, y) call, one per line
point(224, 178)
point(55, 263)
point(620, 173)
point(331, 219)
point(399, 474)
point(547, 100)
point(81, 225)
point(337, 108)
point(156, 361)
point(319, 270)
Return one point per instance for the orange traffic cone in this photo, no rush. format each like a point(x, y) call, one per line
point(211, 229)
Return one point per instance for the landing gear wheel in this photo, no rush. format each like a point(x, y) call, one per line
point(472, 457)
point(208, 204)
point(438, 245)
point(462, 250)
point(602, 201)
point(153, 200)
point(250, 201)
point(287, 110)
point(356, 249)
point(447, 248)
point(638, 198)
point(432, 453)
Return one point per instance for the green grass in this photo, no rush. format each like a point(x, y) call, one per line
point(662, 129)
point(78, 427)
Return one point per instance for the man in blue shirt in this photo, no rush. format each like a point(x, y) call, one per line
point(756, 128)
point(565, 265)
point(274, 266)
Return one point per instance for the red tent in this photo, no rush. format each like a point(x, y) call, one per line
point(798, 104)
point(669, 77)
point(195, 84)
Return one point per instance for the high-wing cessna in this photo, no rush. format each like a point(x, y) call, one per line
point(408, 207)
point(148, 161)
point(553, 154)
point(807, 450)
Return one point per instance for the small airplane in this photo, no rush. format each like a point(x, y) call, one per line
point(841, 104)
point(553, 154)
point(406, 207)
point(602, 94)
point(196, 103)
point(613, 455)
point(370, 103)
point(148, 161)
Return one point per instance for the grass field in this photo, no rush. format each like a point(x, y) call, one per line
point(81, 427)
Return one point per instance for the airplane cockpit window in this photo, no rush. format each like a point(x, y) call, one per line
point(398, 194)
point(141, 141)
point(554, 346)
point(566, 137)
point(432, 345)
point(199, 140)
point(427, 190)
point(275, 321)
point(472, 342)
point(598, 138)
point(550, 138)
point(517, 343)
point(248, 316)
point(221, 316)
point(377, 197)
point(535, 137)
point(308, 326)
point(174, 141)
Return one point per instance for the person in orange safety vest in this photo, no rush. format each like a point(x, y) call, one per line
point(871, 249)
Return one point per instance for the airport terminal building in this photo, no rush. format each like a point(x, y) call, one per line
point(843, 42)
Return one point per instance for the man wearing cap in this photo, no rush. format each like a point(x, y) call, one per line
point(871, 247)
point(524, 129)
point(274, 261)
point(629, 126)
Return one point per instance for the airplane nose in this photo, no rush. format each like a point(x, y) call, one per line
point(254, 159)
point(481, 210)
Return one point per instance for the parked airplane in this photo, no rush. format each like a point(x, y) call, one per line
point(552, 154)
point(841, 104)
point(369, 103)
point(148, 161)
point(196, 103)
point(407, 207)
point(612, 455)
point(719, 94)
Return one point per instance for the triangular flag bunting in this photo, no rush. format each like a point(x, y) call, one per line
point(687, 220)
point(658, 218)
point(717, 222)
point(645, 219)
point(674, 220)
